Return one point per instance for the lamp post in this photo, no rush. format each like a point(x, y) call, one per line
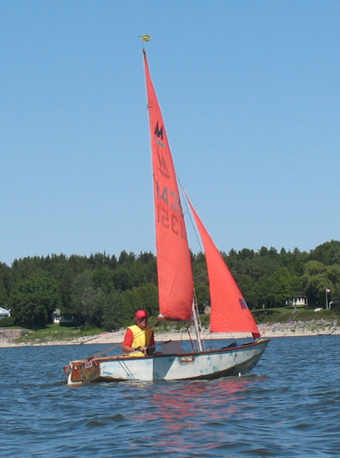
point(327, 291)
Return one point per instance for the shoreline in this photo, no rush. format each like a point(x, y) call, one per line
point(267, 330)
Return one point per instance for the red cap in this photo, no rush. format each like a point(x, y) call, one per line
point(141, 314)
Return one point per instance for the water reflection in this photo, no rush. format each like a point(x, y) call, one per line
point(201, 396)
point(187, 410)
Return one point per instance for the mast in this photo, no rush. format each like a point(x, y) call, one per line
point(195, 316)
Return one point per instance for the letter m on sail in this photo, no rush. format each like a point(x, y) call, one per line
point(162, 166)
point(159, 131)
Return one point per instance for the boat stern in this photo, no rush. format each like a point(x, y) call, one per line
point(82, 371)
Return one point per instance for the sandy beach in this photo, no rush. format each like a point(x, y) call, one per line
point(291, 329)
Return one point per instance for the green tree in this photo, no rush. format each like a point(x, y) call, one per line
point(3, 294)
point(126, 258)
point(247, 286)
point(328, 253)
point(33, 299)
point(266, 291)
point(143, 297)
point(103, 278)
point(317, 278)
point(202, 296)
point(113, 313)
point(87, 301)
point(315, 282)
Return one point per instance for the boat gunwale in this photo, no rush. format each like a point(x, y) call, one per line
point(190, 353)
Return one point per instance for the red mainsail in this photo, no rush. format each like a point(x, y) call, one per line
point(175, 278)
point(229, 310)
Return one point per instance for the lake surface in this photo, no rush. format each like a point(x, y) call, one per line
point(288, 407)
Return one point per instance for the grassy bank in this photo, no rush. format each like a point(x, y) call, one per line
point(285, 314)
point(54, 332)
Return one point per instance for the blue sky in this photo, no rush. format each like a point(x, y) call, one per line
point(249, 92)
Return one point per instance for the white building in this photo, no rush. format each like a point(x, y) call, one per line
point(300, 301)
point(4, 313)
point(56, 316)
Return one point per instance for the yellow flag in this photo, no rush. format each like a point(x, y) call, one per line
point(146, 38)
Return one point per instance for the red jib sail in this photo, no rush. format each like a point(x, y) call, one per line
point(229, 310)
point(175, 279)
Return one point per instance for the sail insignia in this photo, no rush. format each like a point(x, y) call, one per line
point(159, 132)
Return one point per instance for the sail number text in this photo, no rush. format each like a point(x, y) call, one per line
point(169, 211)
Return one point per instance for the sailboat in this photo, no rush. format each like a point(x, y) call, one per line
point(229, 311)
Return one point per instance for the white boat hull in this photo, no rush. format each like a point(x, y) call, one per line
point(184, 366)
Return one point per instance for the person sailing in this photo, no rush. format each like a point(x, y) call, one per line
point(139, 336)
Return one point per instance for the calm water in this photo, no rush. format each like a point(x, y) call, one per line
point(288, 407)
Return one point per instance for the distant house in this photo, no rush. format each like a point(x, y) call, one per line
point(65, 319)
point(298, 301)
point(4, 313)
point(56, 316)
point(303, 300)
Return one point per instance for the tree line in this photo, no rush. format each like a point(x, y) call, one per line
point(104, 291)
